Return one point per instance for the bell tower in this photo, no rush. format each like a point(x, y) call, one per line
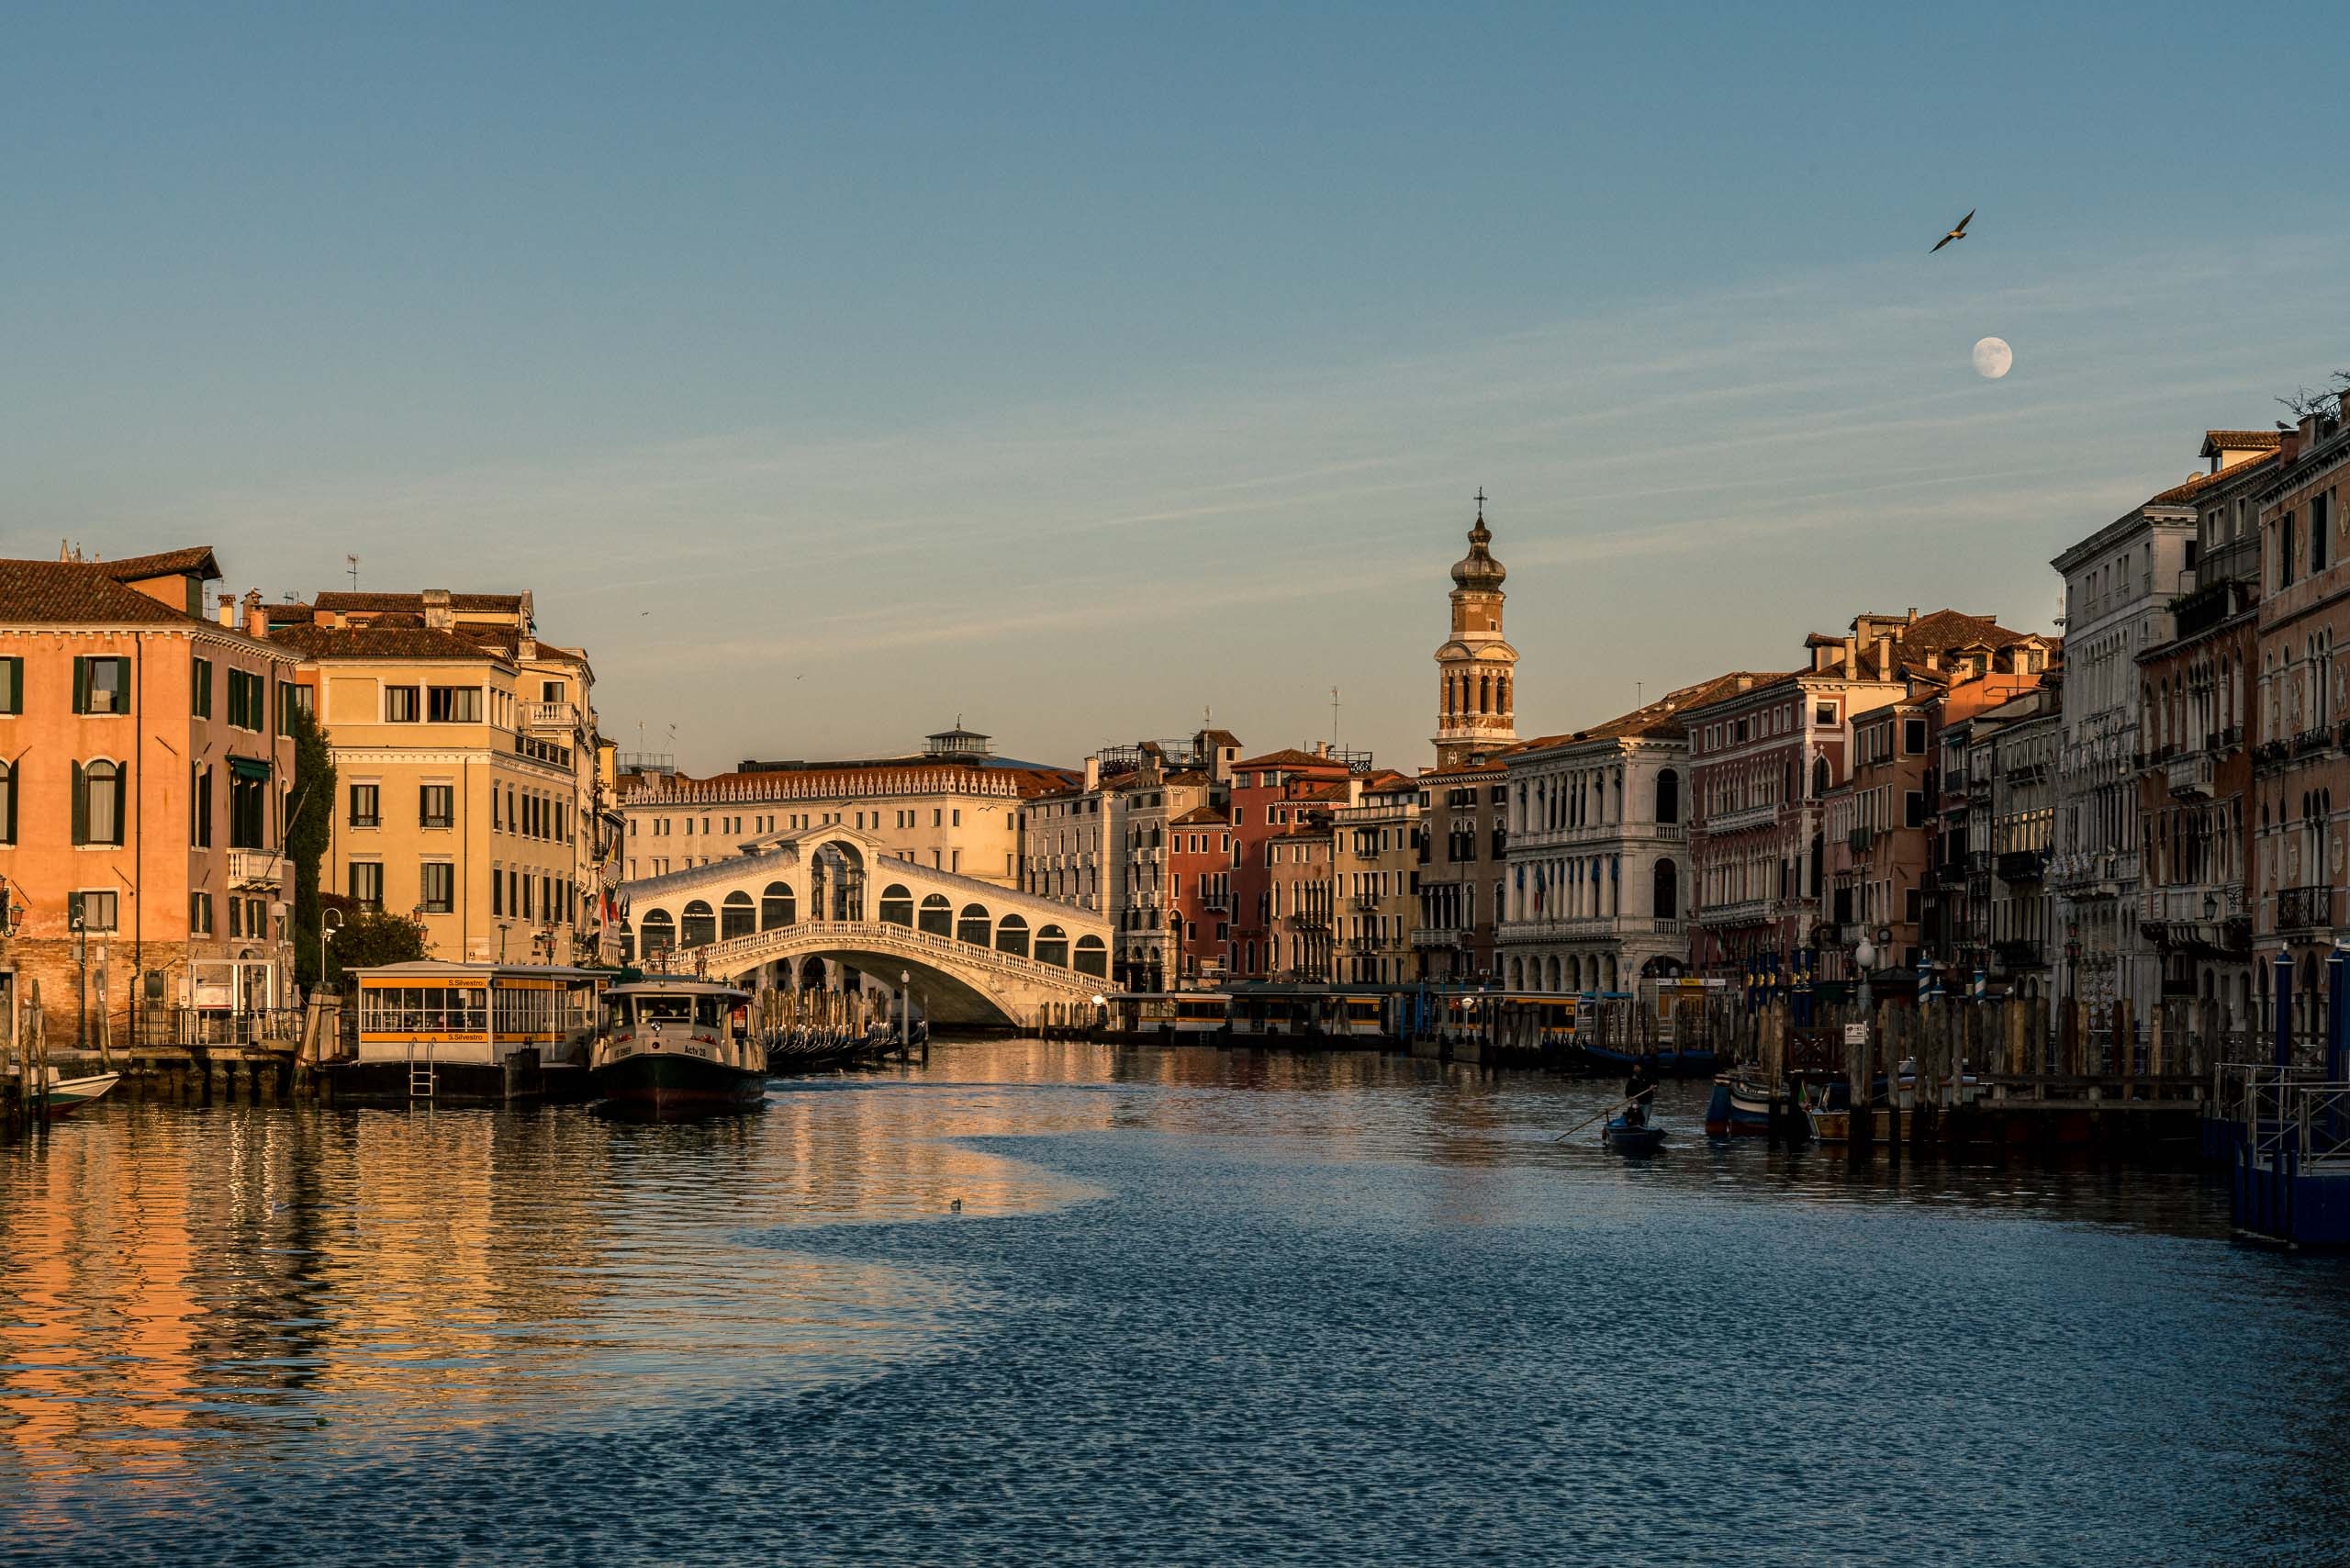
point(1476, 669)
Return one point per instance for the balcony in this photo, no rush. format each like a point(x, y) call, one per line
point(1744, 817)
point(2305, 909)
point(1364, 902)
point(256, 869)
point(1859, 840)
point(561, 717)
point(1745, 911)
point(2021, 865)
point(2310, 743)
point(2192, 776)
point(1590, 928)
point(1435, 936)
point(2016, 955)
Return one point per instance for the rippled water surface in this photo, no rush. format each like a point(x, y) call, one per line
point(1196, 1307)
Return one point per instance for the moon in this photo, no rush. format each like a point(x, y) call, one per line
point(1992, 358)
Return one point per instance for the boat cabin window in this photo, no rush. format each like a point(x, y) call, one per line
point(702, 1009)
point(423, 1009)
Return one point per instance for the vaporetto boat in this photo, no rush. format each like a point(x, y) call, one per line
point(677, 1046)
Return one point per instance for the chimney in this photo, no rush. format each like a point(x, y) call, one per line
point(1884, 655)
point(327, 620)
point(438, 616)
point(228, 611)
point(256, 617)
point(1093, 773)
point(1746, 683)
point(1354, 789)
point(1852, 656)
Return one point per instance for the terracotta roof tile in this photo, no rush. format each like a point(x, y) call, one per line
point(377, 642)
point(1290, 758)
point(79, 593)
point(197, 560)
point(414, 602)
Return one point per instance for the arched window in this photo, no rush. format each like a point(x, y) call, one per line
point(97, 803)
point(1092, 958)
point(736, 916)
point(1820, 778)
point(1666, 882)
point(971, 925)
point(897, 904)
point(1668, 796)
point(1012, 935)
point(776, 906)
point(1052, 946)
point(937, 916)
point(701, 925)
point(658, 933)
point(1517, 974)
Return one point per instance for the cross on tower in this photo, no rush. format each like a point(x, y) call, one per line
point(1481, 503)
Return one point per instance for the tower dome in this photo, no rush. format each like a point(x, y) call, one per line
point(1478, 569)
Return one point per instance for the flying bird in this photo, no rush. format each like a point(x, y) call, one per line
point(1957, 233)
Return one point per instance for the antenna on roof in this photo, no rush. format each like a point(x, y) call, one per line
point(353, 569)
point(1334, 718)
point(1639, 694)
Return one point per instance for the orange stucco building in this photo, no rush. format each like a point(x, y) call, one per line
point(145, 779)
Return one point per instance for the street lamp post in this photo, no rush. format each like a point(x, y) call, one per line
point(905, 1010)
point(80, 991)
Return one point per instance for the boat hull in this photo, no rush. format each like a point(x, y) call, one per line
point(1642, 1139)
point(671, 1083)
point(68, 1096)
point(1738, 1110)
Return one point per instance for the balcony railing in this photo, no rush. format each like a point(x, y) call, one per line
point(1590, 927)
point(1859, 840)
point(1436, 936)
point(562, 716)
point(2021, 865)
point(1366, 901)
point(256, 868)
point(1745, 911)
point(2304, 909)
point(2193, 775)
point(1745, 816)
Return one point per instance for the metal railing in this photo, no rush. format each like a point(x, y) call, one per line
point(2300, 909)
point(278, 1028)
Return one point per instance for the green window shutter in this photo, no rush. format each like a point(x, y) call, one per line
point(81, 809)
point(81, 684)
point(122, 693)
point(121, 802)
point(11, 686)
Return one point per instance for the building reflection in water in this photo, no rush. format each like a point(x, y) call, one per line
point(298, 1280)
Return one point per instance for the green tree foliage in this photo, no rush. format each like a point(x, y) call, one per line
point(369, 937)
point(308, 835)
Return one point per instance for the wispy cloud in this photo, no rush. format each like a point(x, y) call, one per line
point(1810, 440)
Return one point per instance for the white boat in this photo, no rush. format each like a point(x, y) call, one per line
point(66, 1095)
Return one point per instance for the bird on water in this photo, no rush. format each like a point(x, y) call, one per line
point(1957, 233)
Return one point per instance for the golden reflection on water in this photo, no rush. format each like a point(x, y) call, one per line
point(171, 1278)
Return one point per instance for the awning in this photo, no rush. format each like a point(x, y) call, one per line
point(249, 767)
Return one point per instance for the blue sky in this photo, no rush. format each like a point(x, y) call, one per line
point(1073, 368)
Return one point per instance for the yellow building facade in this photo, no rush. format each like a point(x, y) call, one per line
point(469, 777)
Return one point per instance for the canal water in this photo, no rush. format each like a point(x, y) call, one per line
point(1196, 1307)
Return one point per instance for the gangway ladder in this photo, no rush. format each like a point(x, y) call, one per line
point(421, 1079)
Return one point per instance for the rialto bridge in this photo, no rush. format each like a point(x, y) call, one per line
point(824, 906)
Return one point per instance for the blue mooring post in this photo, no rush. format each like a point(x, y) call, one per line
point(2284, 1008)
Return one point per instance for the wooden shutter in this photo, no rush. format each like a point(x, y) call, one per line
point(121, 801)
point(81, 684)
point(81, 797)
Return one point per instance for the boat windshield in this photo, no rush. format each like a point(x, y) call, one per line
point(674, 1009)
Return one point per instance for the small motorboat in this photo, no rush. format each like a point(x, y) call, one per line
point(67, 1095)
point(673, 1046)
point(1627, 1134)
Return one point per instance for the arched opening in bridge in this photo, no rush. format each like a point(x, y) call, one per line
point(776, 906)
point(937, 916)
point(1012, 935)
point(897, 904)
point(836, 881)
point(972, 926)
point(735, 916)
point(1092, 958)
point(1052, 946)
point(699, 927)
point(659, 933)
